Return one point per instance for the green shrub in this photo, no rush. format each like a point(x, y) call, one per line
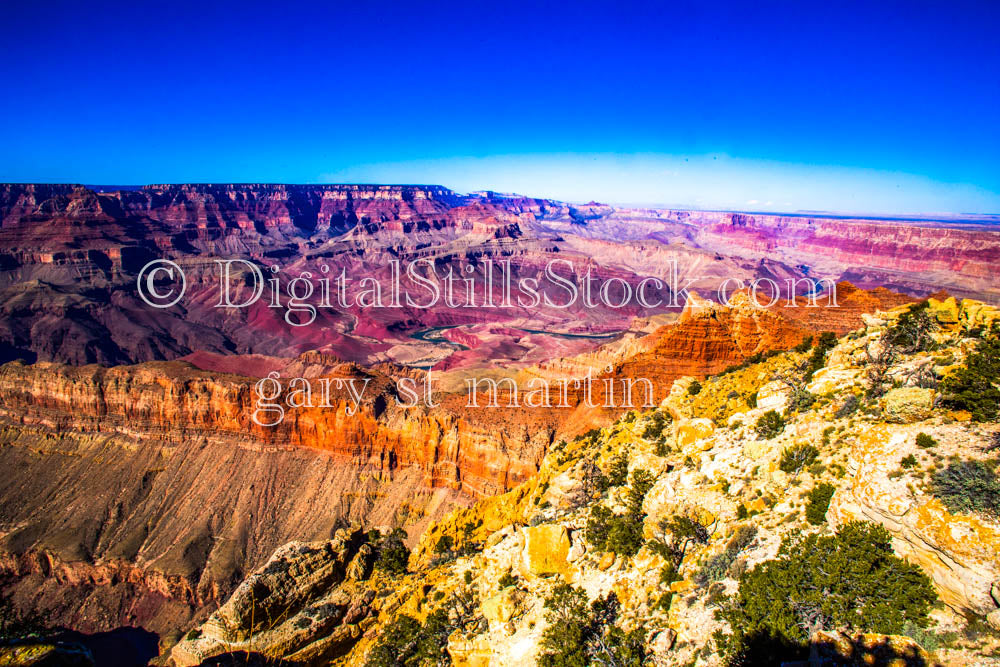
point(819, 503)
point(694, 388)
point(718, 566)
point(657, 422)
point(624, 536)
point(928, 639)
point(848, 408)
point(392, 554)
point(797, 457)
point(908, 461)
point(850, 580)
point(714, 568)
point(968, 486)
point(827, 341)
point(669, 574)
point(911, 331)
point(674, 535)
point(397, 645)
point(742, 538)
point(769, 424)
point(599, 525)
point(580, 634)
point(752, 400)
point(407, 643)
point(804, 346)
point(972, 387)
point(925, 441)
point(617, 472)
point(801, 399)
point(621, 533)
point(444, 545)
point(642, 482)
point(507, 580)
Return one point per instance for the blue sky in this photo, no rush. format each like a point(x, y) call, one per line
point(877, 107)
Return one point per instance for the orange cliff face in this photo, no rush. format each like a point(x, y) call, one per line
point(144, 493)
point(709, 337)
point(845, 314)
point(173, 400)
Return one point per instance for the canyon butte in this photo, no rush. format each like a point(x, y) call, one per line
point(143, 496)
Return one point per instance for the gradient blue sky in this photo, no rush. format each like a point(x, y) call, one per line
point(873, 106)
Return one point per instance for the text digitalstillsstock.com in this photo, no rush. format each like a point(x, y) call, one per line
point(418, 285)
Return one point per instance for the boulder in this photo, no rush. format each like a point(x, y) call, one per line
point(690, 431)
point(755, 449)
point(546, 550)
point(361, 565)
point(908, 404)
point(830, 379)
point(464, 652)
point(663, 641)
point(503, 606)
point(773, 396)
point(607, 560)
point(977, 314)
point(945, 312)
point(316, 592)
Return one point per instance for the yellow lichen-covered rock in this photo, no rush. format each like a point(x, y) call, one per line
point(682, 586)
point(977, 314)
point(833, 378)
point(690, 431)
point(958, 552)
point(465, 652)
point(546, 550)
point(946, 312)
point(607, 560)
point(773, 396)
point(757, 505)
point(908, 404)
point(756, 449)
point(489, 515)
point(503, 606)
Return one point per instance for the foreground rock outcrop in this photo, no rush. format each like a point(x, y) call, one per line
point(308, 604)
point(739, 491)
